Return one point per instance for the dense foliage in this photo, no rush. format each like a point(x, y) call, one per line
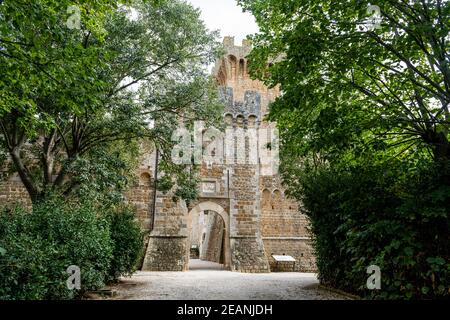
point(38, 247)
point(346, 86)
point(364, 126)
point(85, 89)
point(373, 215)
point(127, 242)
point(82, 97)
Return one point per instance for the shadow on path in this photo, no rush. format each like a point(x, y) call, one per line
point(197, 264)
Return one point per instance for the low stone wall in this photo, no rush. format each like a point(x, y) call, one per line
point(168, 247)
point(13, 192)
point(166, 253)
point(247, 255)
point(300, 249)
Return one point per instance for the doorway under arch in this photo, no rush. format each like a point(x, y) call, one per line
point(213, 209)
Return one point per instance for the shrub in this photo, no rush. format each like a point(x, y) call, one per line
point(37, 248)
point(40, 246)
point(128, 242)
point(23, 269)
point(389, 216)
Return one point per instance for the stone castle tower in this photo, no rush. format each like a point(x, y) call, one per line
point(242, 216)
point(249, 218)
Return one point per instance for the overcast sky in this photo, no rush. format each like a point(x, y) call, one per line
point(226, 16)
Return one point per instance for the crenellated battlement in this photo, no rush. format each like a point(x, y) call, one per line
point(229, 42)
point(241, 94)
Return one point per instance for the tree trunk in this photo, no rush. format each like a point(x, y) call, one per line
point(25, 176)
point(440, 145)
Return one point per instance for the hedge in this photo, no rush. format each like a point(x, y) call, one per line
point(39, 246)
point(389, 216)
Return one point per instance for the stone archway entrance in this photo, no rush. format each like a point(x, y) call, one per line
point(216, 209)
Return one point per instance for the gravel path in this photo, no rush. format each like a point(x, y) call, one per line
point(207, 281)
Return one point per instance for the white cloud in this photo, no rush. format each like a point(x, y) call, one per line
point(226, 16)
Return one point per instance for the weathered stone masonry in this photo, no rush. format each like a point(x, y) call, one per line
point(256, 218)
point(214, 235)
point(259, 220)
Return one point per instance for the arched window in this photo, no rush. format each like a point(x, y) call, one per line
point(222, 74)
point(240, 120)
point(242, 70)
point(277, 200)
point(265, 203)
point(228, 119)
point(252, 121)
point(144, 179)
point(233, 66)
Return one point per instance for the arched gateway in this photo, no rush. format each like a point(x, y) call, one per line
point(217, 209)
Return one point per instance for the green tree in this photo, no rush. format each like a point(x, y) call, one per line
point(75, 102)
point(349, 87)
point(364, 119)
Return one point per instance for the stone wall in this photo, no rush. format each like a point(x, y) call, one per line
point(212, 246)
point(248, 254)
point(198, 229)
point(284, 228)
point(141, 196)
point(232, 71)
point(13, 192)
point(300, 249)
point(259, 219)
point(168, 247)
point(166, 253)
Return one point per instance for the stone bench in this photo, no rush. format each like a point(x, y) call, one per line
point(284, 259)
